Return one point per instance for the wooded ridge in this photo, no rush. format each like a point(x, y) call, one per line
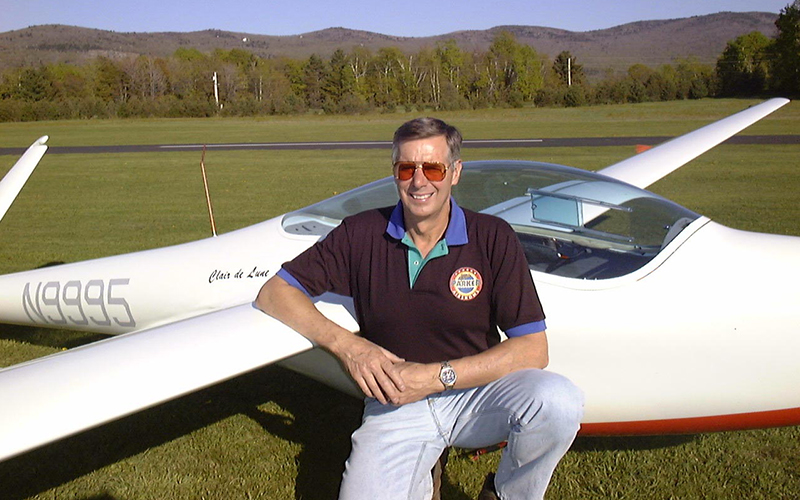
point(646, 42)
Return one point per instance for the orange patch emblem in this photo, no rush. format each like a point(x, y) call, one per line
point(466, 283)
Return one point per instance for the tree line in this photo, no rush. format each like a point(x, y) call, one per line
point(445, 77)
point(754, 64)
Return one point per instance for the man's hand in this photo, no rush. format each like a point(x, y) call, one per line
point(420, 380)
point(372, 367)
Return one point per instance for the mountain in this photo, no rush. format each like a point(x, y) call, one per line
point(648, 42)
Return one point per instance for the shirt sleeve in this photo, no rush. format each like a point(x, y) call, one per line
point(516, 304)
point(325, 267)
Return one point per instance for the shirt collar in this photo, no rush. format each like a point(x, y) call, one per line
point(456, 233)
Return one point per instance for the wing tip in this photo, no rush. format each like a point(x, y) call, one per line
point(777, 102)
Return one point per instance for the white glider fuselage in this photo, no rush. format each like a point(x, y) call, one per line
point(703, 339)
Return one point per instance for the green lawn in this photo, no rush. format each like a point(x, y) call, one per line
point(671, 118)
point(274, 434)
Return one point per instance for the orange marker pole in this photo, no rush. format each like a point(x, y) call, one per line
point(208, 196)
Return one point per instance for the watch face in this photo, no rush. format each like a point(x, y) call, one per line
point(448, 376)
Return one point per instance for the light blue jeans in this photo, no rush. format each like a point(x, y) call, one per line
point(394, 450)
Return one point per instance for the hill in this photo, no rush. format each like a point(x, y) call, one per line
point(648, 42)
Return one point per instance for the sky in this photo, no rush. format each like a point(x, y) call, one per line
point(400, 18)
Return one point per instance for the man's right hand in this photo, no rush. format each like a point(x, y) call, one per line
point(372, 367)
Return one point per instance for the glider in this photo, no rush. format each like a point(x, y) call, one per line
point(668, 321)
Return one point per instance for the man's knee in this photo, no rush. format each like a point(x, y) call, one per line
point(552, 397)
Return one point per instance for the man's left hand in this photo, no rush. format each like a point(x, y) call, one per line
point(420, 381)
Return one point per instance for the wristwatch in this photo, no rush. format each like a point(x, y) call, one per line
point(447, 375)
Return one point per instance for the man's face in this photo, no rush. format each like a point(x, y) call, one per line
point(424, 199)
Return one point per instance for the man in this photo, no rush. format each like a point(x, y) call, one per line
point(431, 284)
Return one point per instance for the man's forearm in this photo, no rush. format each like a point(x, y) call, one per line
point(516, 353)
point(289, 305)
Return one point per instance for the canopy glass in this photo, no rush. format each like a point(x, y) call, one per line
point(571, 222)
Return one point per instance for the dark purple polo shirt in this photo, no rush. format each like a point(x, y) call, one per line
point(458, 300)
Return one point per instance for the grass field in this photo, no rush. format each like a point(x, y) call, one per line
point(275, 434)
point(669, 119)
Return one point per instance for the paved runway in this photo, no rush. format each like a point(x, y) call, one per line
point(475, 143)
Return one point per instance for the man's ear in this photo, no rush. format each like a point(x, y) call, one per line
point(456, 172)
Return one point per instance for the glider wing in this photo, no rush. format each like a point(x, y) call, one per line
point(59, 395)
point(15, 179)
point(648, 167)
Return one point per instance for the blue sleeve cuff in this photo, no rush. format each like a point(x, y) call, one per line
point(526, 329)
point(283, 273)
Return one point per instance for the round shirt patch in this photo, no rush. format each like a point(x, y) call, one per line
point(466, 283)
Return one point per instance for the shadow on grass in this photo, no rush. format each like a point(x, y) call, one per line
point(322, 424)
point(636, 443)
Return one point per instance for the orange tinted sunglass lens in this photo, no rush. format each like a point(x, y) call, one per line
point(405, 169)
point(433, 171)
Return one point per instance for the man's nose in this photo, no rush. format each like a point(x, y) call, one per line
point(419, 178)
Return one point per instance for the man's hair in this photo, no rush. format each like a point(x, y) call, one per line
point(423, 128)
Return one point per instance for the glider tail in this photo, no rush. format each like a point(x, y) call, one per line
point(651, 165)
point(15, 179)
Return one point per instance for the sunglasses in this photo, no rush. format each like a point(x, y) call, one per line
point(432, 170)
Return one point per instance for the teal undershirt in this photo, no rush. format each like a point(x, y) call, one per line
point(415, 260)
